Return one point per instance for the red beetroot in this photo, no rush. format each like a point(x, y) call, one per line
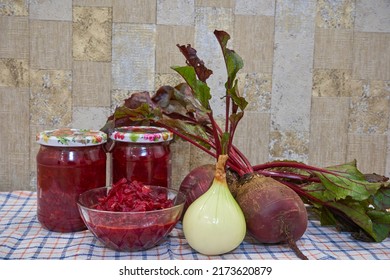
point(274, 213)
point(197, 182)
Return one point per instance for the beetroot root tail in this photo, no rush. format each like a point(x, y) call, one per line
point(292, 244)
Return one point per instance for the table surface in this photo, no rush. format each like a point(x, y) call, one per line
point(22, 237)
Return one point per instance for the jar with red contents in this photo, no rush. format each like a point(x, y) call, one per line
point(142, 153)
point(69, 162)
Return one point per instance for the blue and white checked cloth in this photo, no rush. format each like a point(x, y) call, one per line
point(22, 237)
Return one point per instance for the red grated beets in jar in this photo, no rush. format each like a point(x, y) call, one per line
point(142, 153)
point(69, 162)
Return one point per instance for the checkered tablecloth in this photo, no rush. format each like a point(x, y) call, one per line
point(22, 237)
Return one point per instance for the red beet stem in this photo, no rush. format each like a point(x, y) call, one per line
point(290, 164)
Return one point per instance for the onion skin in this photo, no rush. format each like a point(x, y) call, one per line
point(214, 223)
point(274, 213)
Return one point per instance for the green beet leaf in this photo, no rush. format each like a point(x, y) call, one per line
point(381, 199)
point(193, 131)
point(345, 199)
point(200, 89)
point(233, 63)
point(344, 181)
point(338, 187)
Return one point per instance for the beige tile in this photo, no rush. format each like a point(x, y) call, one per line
point(252, 136)
point(292, 74)
point(332, 83)
point(51, 98)
point(370, 88)
point(256, 88)
point(91, 84)
point(371, 56)
point(254, 44)
point(380, 88)
point(372, 16)
point(198, 157)
point(118, 96)
point(206, 21)
point(133, 56)
point(92, 32)
point(14, 7)
point(34, 149)
point(167, 53)
point(14, 37)
point(172, 79)
point(51, 10)
point(295, 19)
point(335, 14)
point(333, 48)
point(14, 72)
point(14, 148)
point(93, 3)
point(19, 171)
point(185, 157)
point(289, 145)
point(328, 131)
point(215, 3)
point(89, 117)
point(15, 109)
point(180, 151)
point(255, 7)
point(369, 114)
point(134, 11)
point(369, 151)
point(176, 12)
point(51, 44)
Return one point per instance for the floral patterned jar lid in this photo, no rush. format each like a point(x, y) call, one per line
point(71, 137)
point(141, 134)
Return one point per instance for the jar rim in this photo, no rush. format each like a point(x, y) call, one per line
point(141, 134)
point(71, 137)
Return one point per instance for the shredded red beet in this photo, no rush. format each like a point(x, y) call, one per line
point(126, 196)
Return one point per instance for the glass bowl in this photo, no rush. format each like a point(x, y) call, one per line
point(130, 231)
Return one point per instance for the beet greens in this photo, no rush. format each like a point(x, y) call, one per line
point(341, 195)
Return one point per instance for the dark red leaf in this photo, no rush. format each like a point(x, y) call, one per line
point(193, 60)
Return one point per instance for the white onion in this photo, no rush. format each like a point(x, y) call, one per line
point(214, 223)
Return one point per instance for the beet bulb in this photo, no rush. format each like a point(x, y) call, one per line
point(197, 182)
point(274, 213)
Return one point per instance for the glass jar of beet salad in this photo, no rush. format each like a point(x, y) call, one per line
point(69, 162)
point(142, 153)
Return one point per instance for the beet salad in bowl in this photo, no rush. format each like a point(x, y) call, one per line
point(131, 216)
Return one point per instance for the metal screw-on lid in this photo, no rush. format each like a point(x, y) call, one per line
point(141, 134)
point(71, 137)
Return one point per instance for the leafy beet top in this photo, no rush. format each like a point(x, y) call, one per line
point(126, 196)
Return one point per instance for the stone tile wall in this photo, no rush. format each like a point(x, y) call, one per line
point(317, 74)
